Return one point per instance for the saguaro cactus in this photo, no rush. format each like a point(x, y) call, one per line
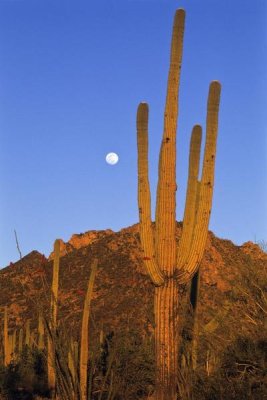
point(20, 345)
point(169, 265)
point(28, 333)
point(84, 333)
point(53, 320)
point(41, 344)
point(7, 355)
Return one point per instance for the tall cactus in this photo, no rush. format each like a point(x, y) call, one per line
point(84, 333)
point(169, 265)
point(51, 372)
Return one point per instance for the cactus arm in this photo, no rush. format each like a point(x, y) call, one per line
point(191, 197)
point(206, 187)
point(166, 190)
point(144, 200)
point(84, 332)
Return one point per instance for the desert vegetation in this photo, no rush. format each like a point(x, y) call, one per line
point(230, 342)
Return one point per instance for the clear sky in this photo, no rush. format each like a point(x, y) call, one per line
point(71, 76)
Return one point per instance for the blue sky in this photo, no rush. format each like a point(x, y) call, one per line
point(71, 76)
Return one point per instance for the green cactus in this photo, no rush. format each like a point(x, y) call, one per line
point(84, 333)
point(166, 264)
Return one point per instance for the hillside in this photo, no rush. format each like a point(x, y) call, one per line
point(232, 301)
point(123, 293)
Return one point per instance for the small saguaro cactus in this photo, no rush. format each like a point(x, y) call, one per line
point(14, 344)
point(51, 372)
point(40, 332)
point(28, 333)
point(20, 345)
point(85, 334)
point(71, 365)
point(167, 264)
point(7, 355)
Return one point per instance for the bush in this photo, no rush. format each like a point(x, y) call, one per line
point(24, 378)
point(242, 373)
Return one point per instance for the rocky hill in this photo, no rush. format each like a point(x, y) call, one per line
point(232, 296)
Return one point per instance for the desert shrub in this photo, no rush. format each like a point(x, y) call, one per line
point(241, 375)
point(130, 363)
point(24, 378)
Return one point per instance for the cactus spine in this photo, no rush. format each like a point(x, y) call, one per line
point(53, 320)
point(166, 264)
point(84, 333)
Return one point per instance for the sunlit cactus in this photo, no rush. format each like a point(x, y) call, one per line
point(28, 333)
point(41, 344)
point(71, 364)
point(84, 349)
point(51, 371)
point(167, 264)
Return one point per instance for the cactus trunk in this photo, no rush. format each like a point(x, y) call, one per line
point(166, 340)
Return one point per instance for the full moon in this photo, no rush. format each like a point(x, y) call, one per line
point(112, 158)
